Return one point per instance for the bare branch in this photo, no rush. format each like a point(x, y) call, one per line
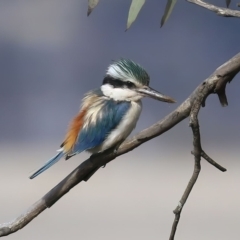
point(23, 219)
point(222, 75)
point(197, 149)
point(224, 12)
point(190, 107)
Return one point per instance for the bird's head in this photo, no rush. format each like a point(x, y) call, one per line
point(128, 81)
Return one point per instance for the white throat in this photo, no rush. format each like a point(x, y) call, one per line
point(120, 94)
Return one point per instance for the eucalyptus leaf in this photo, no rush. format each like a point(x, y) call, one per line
point(134, 10)
point(168, 10)
point(228, 2)
point(91, 5)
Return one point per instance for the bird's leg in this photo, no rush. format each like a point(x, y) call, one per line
point(113, 150)
point(110, 150)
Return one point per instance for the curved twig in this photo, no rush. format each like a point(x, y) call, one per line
point(223, 74)
point(197, 150)
point(224, 12)
point(211, 161)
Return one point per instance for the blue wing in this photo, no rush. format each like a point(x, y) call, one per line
point(92, 136)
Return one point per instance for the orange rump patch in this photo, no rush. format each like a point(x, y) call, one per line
point(73, 131)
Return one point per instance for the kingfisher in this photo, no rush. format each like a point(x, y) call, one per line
point(108, 114)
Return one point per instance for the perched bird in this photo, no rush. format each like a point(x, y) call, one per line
point(108, 114)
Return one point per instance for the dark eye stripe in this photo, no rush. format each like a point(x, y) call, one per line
point(117, 83)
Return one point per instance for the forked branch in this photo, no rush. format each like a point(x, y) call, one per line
point(197, 152)
point(216, 83)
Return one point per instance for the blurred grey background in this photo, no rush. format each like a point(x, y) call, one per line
point(51, 53)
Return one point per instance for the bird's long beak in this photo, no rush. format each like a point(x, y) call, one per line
point(149, 92)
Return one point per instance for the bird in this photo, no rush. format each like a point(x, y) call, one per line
point(107, 114)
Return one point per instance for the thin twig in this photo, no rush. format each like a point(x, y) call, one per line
point(84, 169)
point(211, 161)
point(197, 149)
point(224, 12)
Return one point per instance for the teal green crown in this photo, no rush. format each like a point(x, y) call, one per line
point(130, 68)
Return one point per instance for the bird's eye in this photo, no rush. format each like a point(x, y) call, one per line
point(130, 84)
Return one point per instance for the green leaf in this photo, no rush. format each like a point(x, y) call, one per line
point(134, 10)
point(228, 2)
point(91, 5)
point(168, 10)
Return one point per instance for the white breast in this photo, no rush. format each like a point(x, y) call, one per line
point(128, 123)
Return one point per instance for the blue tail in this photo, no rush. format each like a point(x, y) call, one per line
point(48, 164)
